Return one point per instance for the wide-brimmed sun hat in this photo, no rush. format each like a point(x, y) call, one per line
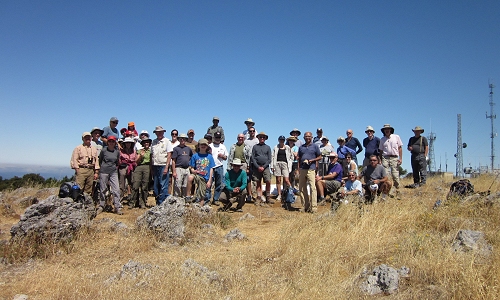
point(369, 128)
point(387, 126)
point(295, 130)
point(250, 121)
point(159, 129)
point(236, 162)
point(262, 133)
point(418, 128)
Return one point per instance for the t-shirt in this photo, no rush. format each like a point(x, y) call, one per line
point(353, 185)
point(418, 144)
point(251, 142)
point(202, 163)
point(261, 156)
point(370, 173)
point(108, 131)
point(108, 160)
point(308, 152)
point(216, 150)
point(182, 156)
point(390, 146)
point(335, 168)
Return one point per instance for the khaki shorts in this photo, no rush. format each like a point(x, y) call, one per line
point(281, 169)
point(257, 176)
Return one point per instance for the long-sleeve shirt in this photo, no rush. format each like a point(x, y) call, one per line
point(236, 179)
point(84, 156)
point(261, 156)
point(354, 144)
point(371, 146)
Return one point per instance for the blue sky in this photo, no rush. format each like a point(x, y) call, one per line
point(68, 66)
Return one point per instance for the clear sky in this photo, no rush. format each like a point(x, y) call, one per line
point(68, 66)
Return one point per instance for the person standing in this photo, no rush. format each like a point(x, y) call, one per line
point(419, 148)
point(140, 187)
point(219, 153)
point(391, 154)
point(282, 160)
point(191, 142)
point(110, 130)
point(108, 161)
point(96, 142)
point(296, 133)
point(261, 160)
point(354, 144)
point(309, 154)
point(250, 123)
point(127, 166)
point(216, 128)
point(371, 144)
point(319, 136)
point(181, 156)
point(161, 152)
point(84, 160)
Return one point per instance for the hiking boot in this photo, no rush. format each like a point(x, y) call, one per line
point(321, 201)
point(118, 211)
point(249, 198)
point(100, 209)
point(278, 198)
point(188, 199)
point(270, 200)
point(239, 210)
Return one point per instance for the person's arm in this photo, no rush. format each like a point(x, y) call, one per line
point(244, 180)
point(167, 164)
point(400, 159)
point(359, 146)
point(426, 150)
point(228, 182)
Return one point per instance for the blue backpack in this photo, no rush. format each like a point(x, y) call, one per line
point(287, 195)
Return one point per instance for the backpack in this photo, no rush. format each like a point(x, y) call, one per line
point(461, 188)
point(70, 189)
point(287, 195)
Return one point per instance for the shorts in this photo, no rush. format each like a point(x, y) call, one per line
point(332, 186)
point(281, 169)
point(257, 176)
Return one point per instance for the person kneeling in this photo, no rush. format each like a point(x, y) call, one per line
point(235, 190)
point(330, 182)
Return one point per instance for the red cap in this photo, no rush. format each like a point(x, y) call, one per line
point(112, 138)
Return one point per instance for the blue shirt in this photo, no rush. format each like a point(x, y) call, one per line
point(342, 151)
point(336, 168)
point(371, 146)
point(202, 163)
point(308, 152)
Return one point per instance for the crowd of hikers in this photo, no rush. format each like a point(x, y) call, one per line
point(120, 166)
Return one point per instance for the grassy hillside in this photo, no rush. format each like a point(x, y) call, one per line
point(285, 255)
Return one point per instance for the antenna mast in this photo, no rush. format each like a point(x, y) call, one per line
point(459, 167)
point(432, 160)
point(492, 116)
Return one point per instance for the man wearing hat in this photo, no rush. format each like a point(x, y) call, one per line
point(296, 133)
point(84, 161)
point(419, 148)
point(353, 143)
point(110, 130)
point(161, 152)
point(261, 160)
point(318, 137)
point(140, 187)
point(391, 154)
point(191, 142)
point(219, 153)
point(371, 144)
point(216, 128)
point(331, 182)
point(96, 142)
point(181, 156)
point(235, 187)
point(250, 123)
point(309, 154)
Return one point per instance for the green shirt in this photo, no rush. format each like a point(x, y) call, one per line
point(146, 159)
point(239, 152)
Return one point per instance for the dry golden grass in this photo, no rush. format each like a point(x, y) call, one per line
point(286, 255)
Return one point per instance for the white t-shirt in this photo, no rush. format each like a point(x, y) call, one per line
point(216, 149)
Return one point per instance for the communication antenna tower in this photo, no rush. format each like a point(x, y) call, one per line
point(432, 160)
point(460, 165)
point(492, 116)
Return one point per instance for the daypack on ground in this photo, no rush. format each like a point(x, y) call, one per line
point(461, 188)
point(287, 195)
point(70, 189)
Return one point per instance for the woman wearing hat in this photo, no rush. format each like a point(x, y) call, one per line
point(282, 159)
point(391, 153)
point(140, 182)
point(126, 167)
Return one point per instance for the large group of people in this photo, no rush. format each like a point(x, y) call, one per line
point(124, 164)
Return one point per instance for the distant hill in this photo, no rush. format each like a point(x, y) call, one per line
point(8, 171)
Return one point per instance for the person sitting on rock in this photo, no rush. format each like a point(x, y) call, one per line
point(235, 189)
point(201, 168)
point(330, 182)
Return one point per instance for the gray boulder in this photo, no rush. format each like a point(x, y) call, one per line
point(383, 279)
point(54, 219)
point(469, 240)
point(234, 234)
point(194, 270)
point(133, 270)
point(166, 220)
